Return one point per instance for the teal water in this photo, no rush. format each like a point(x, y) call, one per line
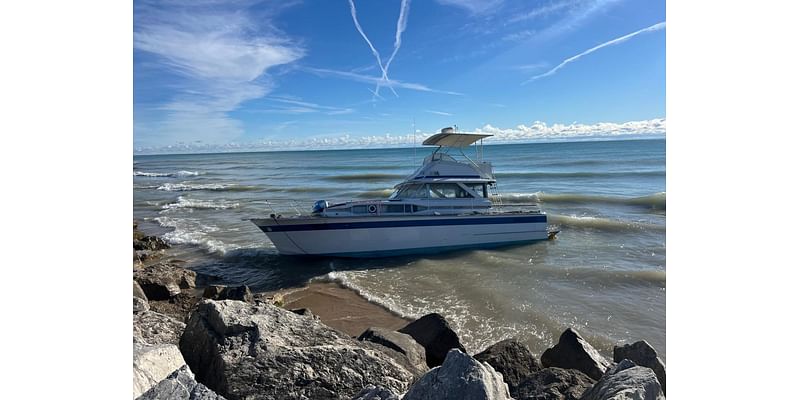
point(605, 274)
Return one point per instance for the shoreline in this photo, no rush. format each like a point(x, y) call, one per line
point(340, 307)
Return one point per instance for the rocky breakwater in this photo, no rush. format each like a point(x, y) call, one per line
point(243, 350)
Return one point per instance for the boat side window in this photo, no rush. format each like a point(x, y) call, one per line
point(479, 188)
point(359, 210)
point(393, 208)
point(409, 191)
point(419, 208)
point(448, 191)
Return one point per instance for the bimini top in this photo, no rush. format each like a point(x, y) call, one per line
point(448, 138)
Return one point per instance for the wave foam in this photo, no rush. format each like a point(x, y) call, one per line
point(166, 174)
point(184, 203)
point(183, 187)
point(191, 231)
point(602, 223)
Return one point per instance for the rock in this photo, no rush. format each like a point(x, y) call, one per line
point(434, 334)
point(137, 291)
point(152, 328)
point(642, 354)
point(180, 385)
point(140, 305)
point(554, 384)
point(626, 381)
point(241, 350)
point(152, 364)
point(149, 243)
point(213, 292)
point(304, 312)
point(179, 307)
point(217, 292)
point(162, 281)
point(512, 359)
point(372, 392)
point(573, 352)
point(399, 345)
point(460, 377)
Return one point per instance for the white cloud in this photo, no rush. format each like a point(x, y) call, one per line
point(537, 131)
point(222, 55)
point(439, 113)
point(656, 27)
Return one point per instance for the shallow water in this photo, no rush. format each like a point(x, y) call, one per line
point(605, 273)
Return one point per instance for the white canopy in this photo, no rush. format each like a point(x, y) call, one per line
point(453, 139)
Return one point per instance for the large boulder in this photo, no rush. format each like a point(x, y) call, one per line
point(140, 305)
point(434, 334)
point(152, 328)
point(460, 377)
point(642, 354)
point(512, 359)
point(373, 392)
point(626, 381)
point(554, 384)
point(241, 350)
point(163, 280)
point(180, 385)
point(573, 352)
point(410, 353)
point(137, 291)
point(152, 364)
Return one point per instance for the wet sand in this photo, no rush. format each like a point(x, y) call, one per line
point(341, 308)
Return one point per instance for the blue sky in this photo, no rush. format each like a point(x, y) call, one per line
point(212, 75)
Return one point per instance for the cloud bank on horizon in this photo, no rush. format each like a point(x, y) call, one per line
point(262, 74)
point(538, 131)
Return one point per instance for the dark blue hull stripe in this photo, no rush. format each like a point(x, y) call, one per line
point(426, 250)
point(404, 223)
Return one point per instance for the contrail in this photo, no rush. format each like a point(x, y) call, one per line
point(374, 52)
point(656, 27)
point(398, 40)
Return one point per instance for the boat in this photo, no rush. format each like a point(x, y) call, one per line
point(449, 203)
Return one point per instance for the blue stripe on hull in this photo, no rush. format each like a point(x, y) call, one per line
point(404, 223)
point(425, 250)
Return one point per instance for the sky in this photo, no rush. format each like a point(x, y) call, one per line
point(268, 75)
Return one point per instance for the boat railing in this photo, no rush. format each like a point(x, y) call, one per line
point(283, 206)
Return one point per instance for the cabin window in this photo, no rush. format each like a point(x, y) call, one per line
point(393, 208)
point(419, 208)
point(479, 188)
point(359, 209)
point(448, 191)
point(410, 191)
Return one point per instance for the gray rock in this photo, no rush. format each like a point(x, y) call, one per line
point(626, 381)
point(180, 385)
point(554, 384)
point(152, 328)
point(138, 292)
point(152, 364)
point(400, 344)
point(140, 305)
point(573, 352)
point(213, 292)
point(434, 334)
point(372, 392)
point(149, 243)
point(241, 350)
point(217, 292)
point(163, 280)
point(643, 355)
point(460, 377)
point(512, 359)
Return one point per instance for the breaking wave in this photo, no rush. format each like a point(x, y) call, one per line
point(657, 201)
point(605, 224)
point(166, 174)
point(192, 231)
point(184, 203)
point(182, 187)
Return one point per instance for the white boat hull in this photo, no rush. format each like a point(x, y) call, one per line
point(380, 237)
